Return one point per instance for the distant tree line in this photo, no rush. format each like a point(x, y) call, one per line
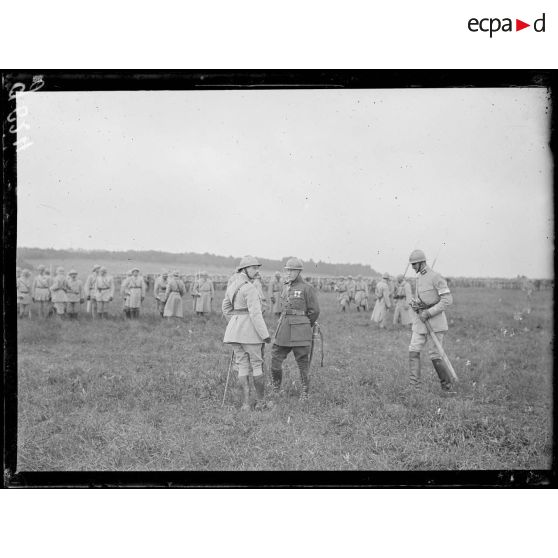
point(192, 259)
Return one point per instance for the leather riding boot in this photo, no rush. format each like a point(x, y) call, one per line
point(244, 384)
point(259, 385)
point(304, 381)
point(276, 379)
point(443, 373)
point(414, 369)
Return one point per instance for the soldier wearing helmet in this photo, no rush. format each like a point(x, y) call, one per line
point(104, 292)
point(432, 297)
point(351, 288)
point(134, 289)
point(300, 310)
point(24, 293)
point(274, 293)
point(343, 296)
point(402, 296)
point(203, 292)
point(174, 291)
point(383, 301)
point(41, 291)
point(58, 292)
point(89, 291)
point(159, 291)
point(361, 294)
point(246, 330)
point(74, 293)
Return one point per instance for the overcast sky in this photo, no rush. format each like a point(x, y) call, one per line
point(338, 175)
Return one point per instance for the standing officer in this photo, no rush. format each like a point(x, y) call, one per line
point(246, 330)
point(351, 288)
point(294, 330)
point(24, 293)
point(104, 292)
point(432, 297)
point(343, 296)
point(361, 294)
point(134, 288)
point(274, 294)
point(383, 302)
point(402, 296)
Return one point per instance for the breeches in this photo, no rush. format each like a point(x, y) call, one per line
point(279, 354)
point(419, 340)
point(60, 307)
point(72, 307)
point(248, 355)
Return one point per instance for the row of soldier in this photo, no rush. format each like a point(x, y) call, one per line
point(63, 294)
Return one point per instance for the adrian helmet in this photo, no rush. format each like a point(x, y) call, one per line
point(294, 263)
point(417, 256)
point(247, 261)
point(385, 275)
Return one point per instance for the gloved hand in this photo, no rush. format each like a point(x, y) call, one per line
point(424, 315)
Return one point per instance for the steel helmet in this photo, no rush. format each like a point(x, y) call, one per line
point(96, 267)
point(41, 267)
point(247, 261)
point(294, 263)
point(72, 272)
point(385, 275)
point(350, 277)
point(400, 277)
point(60, 270)
point(417, 256)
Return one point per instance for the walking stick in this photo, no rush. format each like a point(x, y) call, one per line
point(228, 376)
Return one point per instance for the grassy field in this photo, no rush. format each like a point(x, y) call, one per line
point(146, 395)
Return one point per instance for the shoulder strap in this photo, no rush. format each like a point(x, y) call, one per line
point(236, 292)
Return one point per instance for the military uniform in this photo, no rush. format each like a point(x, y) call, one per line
point(203, 291)
point(24, 293)
point(274, 294)
point(300, 310)
point(173, 295)
point(159, 292)
point(58, 292)
point(402, 296)
point(104, 292)
point(361, 294)
point(343, 294)
point(134, 287)
point(383, 302)
point(89, 291)
point(41, 291)
point(432, 297)
point(74, 294)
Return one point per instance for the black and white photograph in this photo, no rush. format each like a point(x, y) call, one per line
point(266, 272)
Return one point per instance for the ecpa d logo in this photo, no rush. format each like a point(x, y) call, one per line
point(492, 25)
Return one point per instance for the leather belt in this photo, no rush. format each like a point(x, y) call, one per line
point(239, 311)
point(295, 312)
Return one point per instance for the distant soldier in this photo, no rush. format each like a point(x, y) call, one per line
point(24, 293)
point(159, 291)
point(135, 286)
point(342, 294)
point(58, 292)
point(294, 330)
point(104, 292)
point(41, 291)
point(361, 294)
point(383, 302)
point(246, 330)
point(432, 297)
point(48, 306)
point(527, 287)
point(89, 290)
point(203, 292)
point(174, 292)
point(257, 282)
point(74, 294)
point(351, 288)
point(274, 294)
point(402, 296)
point(125, 292)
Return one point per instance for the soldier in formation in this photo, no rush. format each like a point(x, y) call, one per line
point(159, 291)
point(432, 297)
point(300, 310)
point(203, 293)
point(135, 288)
point(58, 292)
point(174, 292)
point(274, 294)
point(246, 330)
point(74, 294)
point(402, 297)
point(383, 302)
point(126, 296)
point(24, 294)
point(104, 292)
point(41, 291)
point(361, 294)
point(351, 288)
point(90, 289)
point(342, 294)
